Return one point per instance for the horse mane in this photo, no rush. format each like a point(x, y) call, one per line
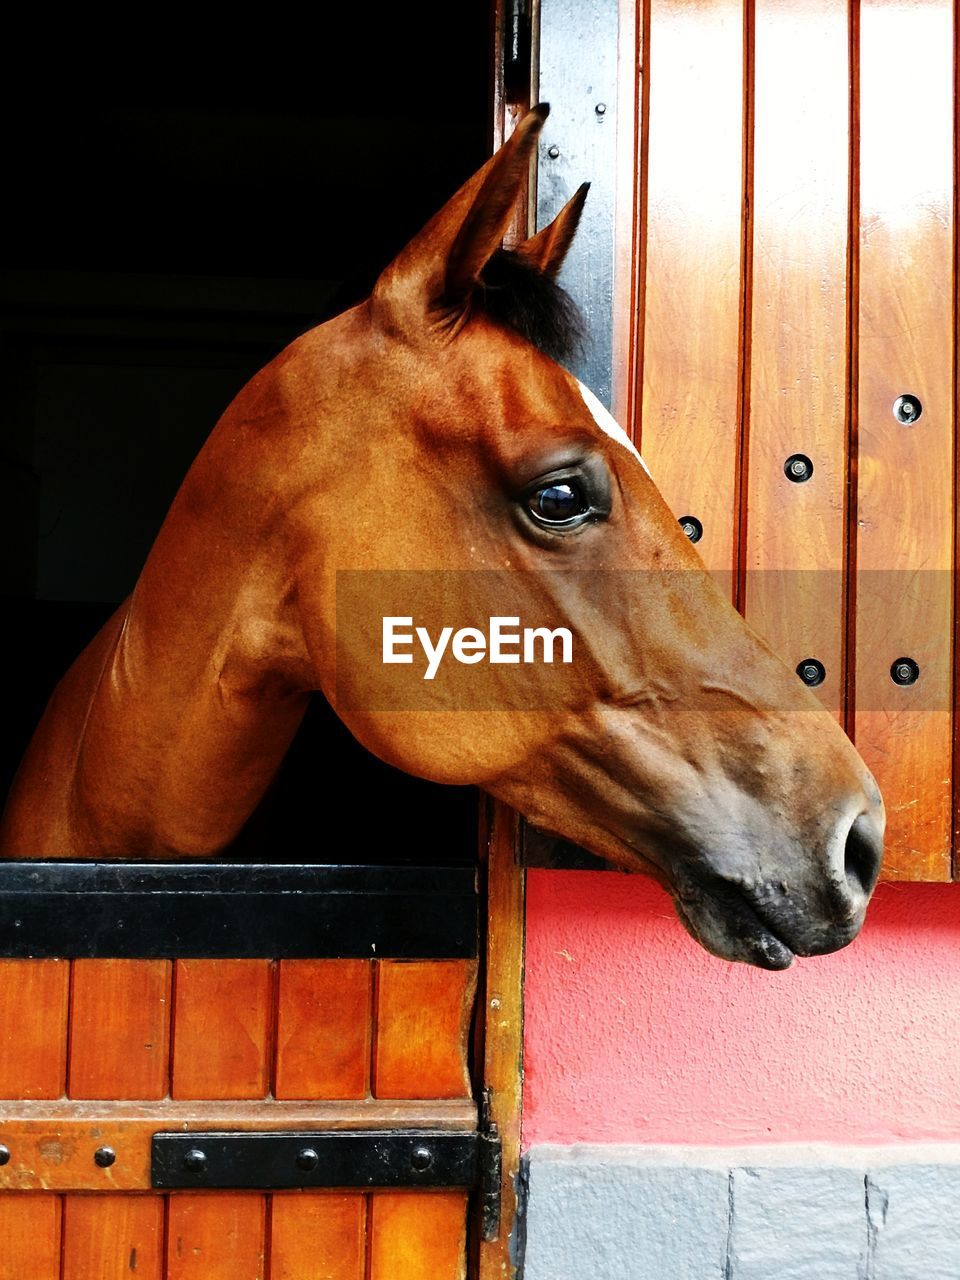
point(517, 295)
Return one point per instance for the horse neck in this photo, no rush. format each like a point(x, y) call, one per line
point(209, 675)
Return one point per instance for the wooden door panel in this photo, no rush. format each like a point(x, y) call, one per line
point(137, 1045)
point(906, 472)
point(113, 1237)
point(423, 1013)
point(324, 1029)
point(30, 1232)
point(795, 534)
point(33, 1027)
point(119, 1029)
point(690, 404)
point(417, 1236)
point(318, 1236)
point(216, 1237)
point(221, 1031)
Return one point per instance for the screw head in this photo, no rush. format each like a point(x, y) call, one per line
point(195, 1160)
point(692, 527)
point(601, 108)
point(798, 468)
point(307, 1159)
point(553, 151)
point(812, 672)
point(905, 671)
point(104, 1157)
point(4, 1153)
point(421, 1159)
point(907, 409)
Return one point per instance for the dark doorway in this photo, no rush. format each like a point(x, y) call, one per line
point(177, 212)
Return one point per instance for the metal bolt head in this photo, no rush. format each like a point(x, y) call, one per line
point(905, 671)
point(907, 409)
point(798, 468)
point(601, 108)
point(4, 1153)
point(421, 1159)
point(195, 1160)
point(553, 151)
point(812, 672)
point(307, 1159)
point(104, 1157)
point(692, 527)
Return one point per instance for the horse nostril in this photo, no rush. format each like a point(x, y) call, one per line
point(863, 854)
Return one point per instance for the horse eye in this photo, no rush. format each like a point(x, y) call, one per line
point(558, 503)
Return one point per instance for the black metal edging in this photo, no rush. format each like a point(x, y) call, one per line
point(280, 1161)
point(192, 910)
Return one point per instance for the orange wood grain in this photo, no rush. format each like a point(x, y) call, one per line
point(318, 1236)
point(503, 1020)
point(113, 1237)
point(417, 1235)
point(422, 1028)
point(324, 1029)
point(119, 1029)
point(222, 1015)
point(33, 1027)
point(216, 1237)
point(795, 533)
point(906, 473)
point(691, 327)
point(30, 1236)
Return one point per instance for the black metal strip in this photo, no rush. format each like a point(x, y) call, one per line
point(279, 1161)
point(192, 910)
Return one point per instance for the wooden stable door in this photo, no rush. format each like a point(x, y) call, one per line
point(767, 262)
point(316, 1020)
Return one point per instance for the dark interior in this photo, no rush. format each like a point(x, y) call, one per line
point(176, 214)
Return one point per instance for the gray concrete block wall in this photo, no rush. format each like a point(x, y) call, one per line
point(763, 1213)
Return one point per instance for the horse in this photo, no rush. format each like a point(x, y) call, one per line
point(430, 439)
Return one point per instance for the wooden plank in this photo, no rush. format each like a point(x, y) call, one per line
point(119, 1029)
point(118, 1049)
point(422, 1028)
point(631, 185)
point(318, 1236)
point(906, 473)
point(503, 1021)
point(216, 1237)
point(113, 1237)
point(416, 1235)
point(33, 1027)
point(52, 1144)
point(795, 535)
point(691, 328)
point(30, 1231)
point(223, 1011)
point(222, 1014)
point(324, 1029)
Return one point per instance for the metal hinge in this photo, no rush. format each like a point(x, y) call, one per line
point(283, 1160)
point(489, 1171)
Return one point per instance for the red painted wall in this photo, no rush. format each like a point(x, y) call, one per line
point(634, 1034)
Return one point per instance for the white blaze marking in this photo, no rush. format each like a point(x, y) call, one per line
point(608, 423)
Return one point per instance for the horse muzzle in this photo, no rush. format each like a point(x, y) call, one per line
point(768, 922)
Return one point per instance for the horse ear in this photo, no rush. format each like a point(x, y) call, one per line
point(548, 248)
point(441, 266)
point(483, 229)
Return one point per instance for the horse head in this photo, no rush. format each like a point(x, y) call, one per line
point(422, 470)
point(488, 482)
